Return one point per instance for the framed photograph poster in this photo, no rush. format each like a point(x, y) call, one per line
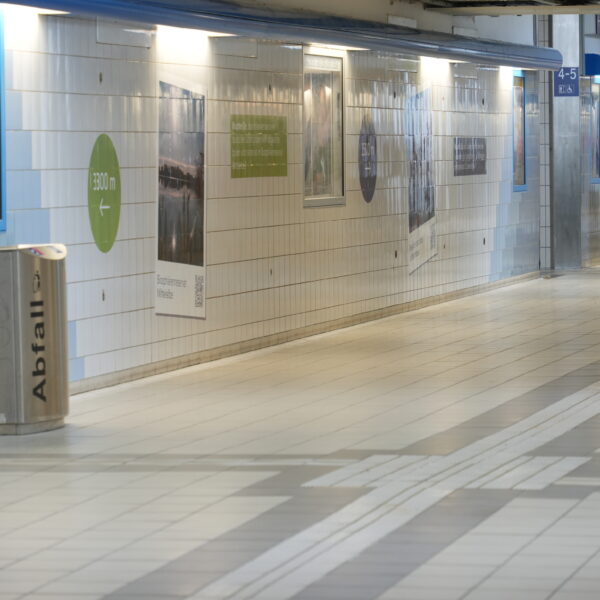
point(181, 265)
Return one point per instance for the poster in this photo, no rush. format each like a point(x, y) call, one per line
point(367, 158)
point(519, 131)
point(422, 242)
point(595, 130)
point(104, 193)
point(323, 134)
point(180, 269)
point(258, 146)
point(470, 156)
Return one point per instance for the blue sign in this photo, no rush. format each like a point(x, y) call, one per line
point(566, 82)
point(367, 158)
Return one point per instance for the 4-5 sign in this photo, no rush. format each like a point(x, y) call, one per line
point(568, 73)
point(566, 82)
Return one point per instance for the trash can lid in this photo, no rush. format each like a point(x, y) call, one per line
point(48, 251)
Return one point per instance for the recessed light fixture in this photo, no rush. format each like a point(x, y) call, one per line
point(50, 11)
point(35, 10)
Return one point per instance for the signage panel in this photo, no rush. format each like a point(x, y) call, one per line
point(566, 82)
point(470, 156)
point(258, 146)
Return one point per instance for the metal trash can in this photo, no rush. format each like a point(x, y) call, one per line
point(34, 385)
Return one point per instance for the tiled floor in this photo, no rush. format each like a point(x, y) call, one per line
point(449, 453)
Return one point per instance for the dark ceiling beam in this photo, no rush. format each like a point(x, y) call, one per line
point(508, 8)
point(310, 27)
point(450, 3)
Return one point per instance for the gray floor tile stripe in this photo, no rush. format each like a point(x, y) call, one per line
point(384, 563)
point(509, 413)
point(591, 468)
point(581, 441)
point(401, 552)
point(559, 492)
point(182, 577)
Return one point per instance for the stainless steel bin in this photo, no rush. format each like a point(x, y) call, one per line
point(34, 385)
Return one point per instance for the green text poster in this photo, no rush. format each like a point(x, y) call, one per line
point(258, 146)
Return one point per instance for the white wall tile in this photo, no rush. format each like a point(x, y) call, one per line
point(272, 265)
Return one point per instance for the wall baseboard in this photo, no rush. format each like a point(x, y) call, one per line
point(110, 379)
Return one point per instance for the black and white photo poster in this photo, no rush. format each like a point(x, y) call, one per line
point(181, 267)
point(422, 242)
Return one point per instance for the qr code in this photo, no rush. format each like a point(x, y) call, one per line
point(199, 291)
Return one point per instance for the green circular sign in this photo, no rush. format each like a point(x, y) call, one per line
point(104, 193)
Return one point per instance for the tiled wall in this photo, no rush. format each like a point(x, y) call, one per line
point(272, 265)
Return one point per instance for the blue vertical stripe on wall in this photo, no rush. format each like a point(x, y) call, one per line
point(76, 365)
point(76, 369)
point(31, 226)
point(72, 333)
point(24, 187)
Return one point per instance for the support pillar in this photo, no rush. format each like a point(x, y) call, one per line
point(566, 153)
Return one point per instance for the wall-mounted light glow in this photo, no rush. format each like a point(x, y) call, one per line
point(435, 70)
point(191, 32)
point(33, 10)
point(331, 49)
point(506, 77)
point(50, 11)
point(216, 33)
point(181, 45)
point(21, 26)
point(344, 48)
point(180, 35)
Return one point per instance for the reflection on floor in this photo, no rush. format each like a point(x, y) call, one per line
point(449, 453)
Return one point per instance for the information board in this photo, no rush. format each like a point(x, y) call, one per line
point(470, 156)
point(258, 146)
